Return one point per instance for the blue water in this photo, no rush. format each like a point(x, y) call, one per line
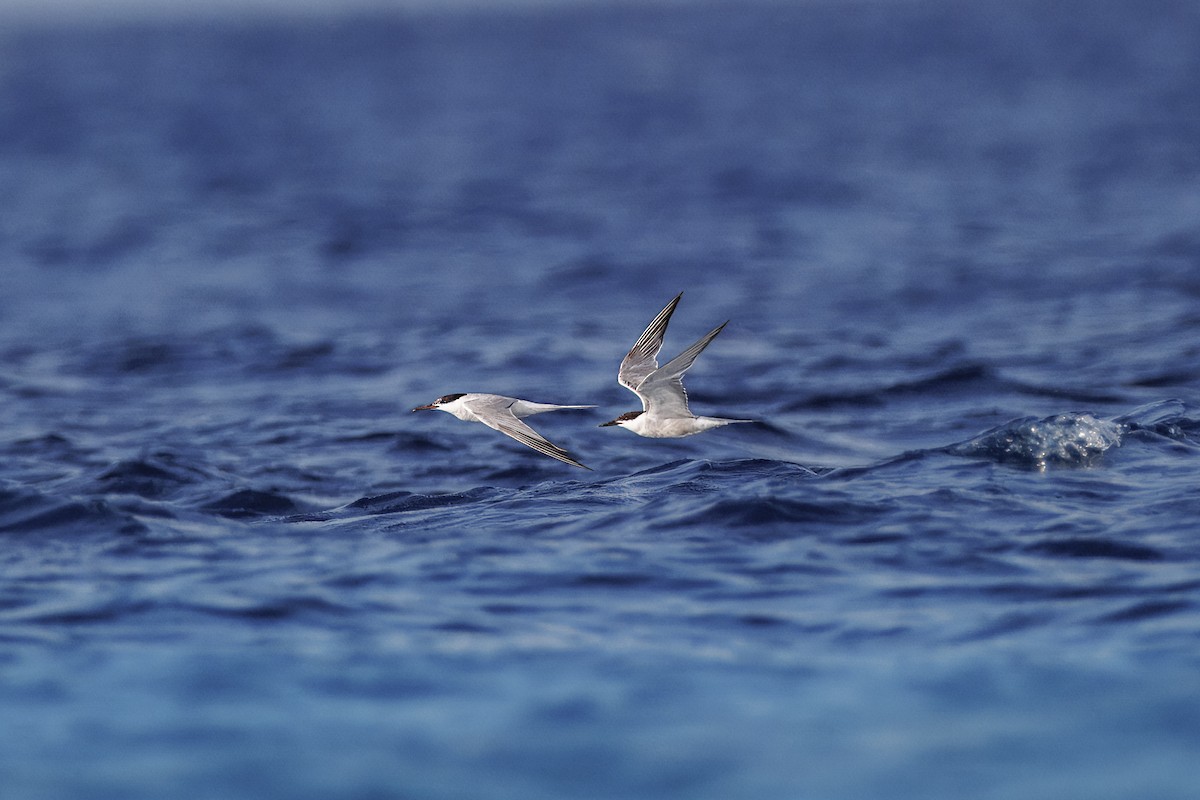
point(958, 557)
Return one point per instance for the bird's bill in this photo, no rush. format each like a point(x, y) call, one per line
point(429, 407)
point(611, 422)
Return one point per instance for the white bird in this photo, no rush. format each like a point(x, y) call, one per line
point(665, 413)
point(504, 414)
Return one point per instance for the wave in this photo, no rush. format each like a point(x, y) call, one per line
point(765, 513)
point(398, 502)
point(1095, 547)
point(27, 511)
point(152, 476)
point(1075, 439)
point(1062, 440)
point(968, 378)
point(1165, 418)
point(242, 349)
point(252, 503)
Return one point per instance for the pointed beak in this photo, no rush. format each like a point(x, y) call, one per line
point(606, 424)
point(425, 408)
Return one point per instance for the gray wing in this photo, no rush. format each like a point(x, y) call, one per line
point(664, 388)
point(642, 359)
point(499, 417)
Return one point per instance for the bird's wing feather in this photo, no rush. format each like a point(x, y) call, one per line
point(663, 389)
point(525, 408)
point(509, 425)
point(642, 359)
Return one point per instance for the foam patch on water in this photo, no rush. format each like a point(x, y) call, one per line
point(1062, 440)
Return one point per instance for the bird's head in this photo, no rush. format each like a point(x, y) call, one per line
point(628, 416)
point(441, 401)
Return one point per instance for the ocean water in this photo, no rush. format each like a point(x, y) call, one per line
point(958, 555)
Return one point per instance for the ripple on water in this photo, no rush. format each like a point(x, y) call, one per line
point(1095, 547)
point(245, 503)
point(27, 511)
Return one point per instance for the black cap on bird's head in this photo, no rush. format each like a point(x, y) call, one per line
point(626, 417)
point(441, 401)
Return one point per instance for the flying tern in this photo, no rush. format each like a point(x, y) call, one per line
point(504, 414)
point(665, 413)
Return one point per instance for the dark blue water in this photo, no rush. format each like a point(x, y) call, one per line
point(960, 248)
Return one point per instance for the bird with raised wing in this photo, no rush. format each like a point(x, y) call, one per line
point(665, 413)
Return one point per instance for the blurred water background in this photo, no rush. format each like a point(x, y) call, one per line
point(959, 244)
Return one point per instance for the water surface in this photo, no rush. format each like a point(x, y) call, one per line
point(957, 556)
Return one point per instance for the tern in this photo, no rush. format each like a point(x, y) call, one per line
point(665, 413)
point(504, 414)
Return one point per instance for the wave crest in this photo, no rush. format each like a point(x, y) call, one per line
point(1070, 440)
